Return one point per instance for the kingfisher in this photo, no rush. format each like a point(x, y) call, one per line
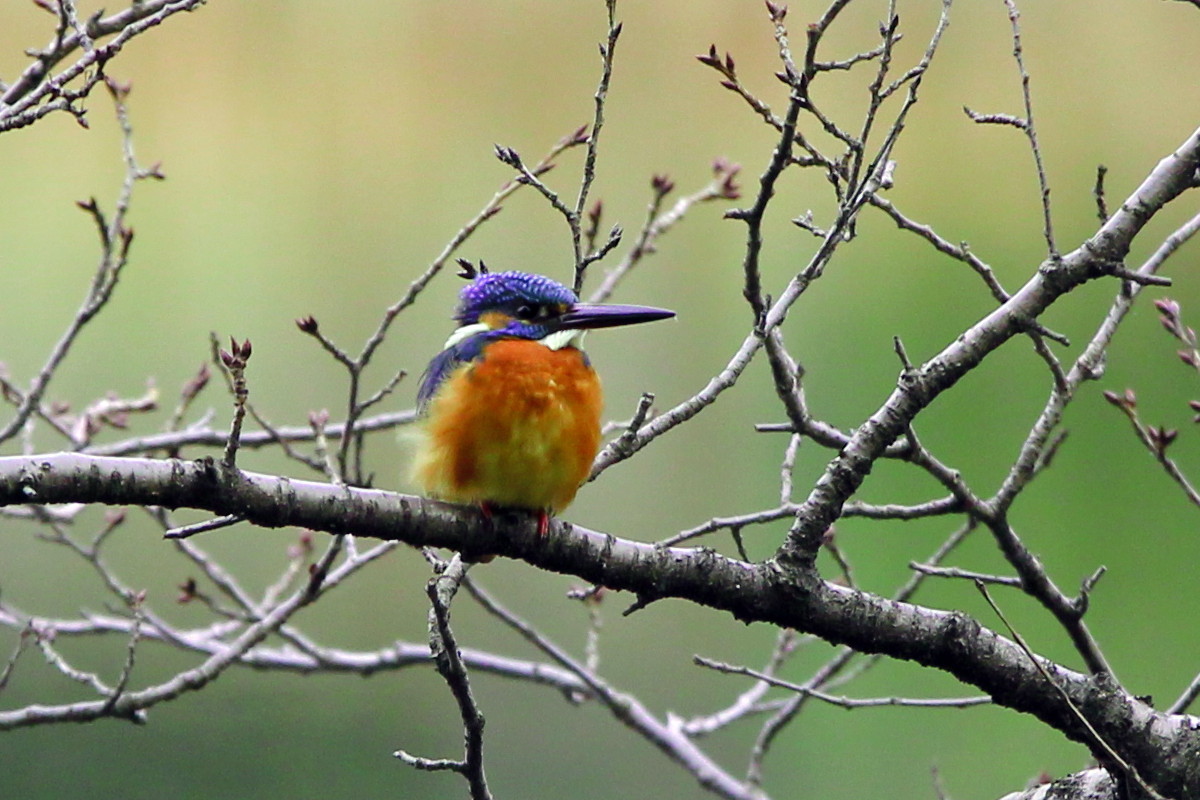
point(511, 405)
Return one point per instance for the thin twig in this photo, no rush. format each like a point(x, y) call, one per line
point(186, 531)
point(843, 702)
point(607, 51)
point(1030, 128)
point(955, 572)
point(787, 642)
point(442, 645)
point(115, 241)
point(235, 360)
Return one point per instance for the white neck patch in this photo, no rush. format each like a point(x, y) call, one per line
point(555, 341)
point(463, 333)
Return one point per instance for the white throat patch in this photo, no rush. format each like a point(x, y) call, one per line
point(560, 339)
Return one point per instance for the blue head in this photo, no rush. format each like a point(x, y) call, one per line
point(517, 304)
point(520, 305)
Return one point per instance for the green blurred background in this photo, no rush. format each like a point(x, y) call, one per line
point(320, 155)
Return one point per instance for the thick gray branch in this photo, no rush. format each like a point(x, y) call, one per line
point(1160, 746)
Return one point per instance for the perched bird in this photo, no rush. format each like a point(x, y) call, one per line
point(511, 405)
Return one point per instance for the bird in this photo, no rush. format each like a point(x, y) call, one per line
point(510, 407)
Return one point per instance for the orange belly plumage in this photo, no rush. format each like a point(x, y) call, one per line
point(518, 427)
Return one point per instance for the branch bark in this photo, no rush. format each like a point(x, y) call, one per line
point(1163, 748)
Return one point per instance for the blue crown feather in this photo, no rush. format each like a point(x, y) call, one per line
point(506, 291)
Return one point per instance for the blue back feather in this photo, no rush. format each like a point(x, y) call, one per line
point(449, 360)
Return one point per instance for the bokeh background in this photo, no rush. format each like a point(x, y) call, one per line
point(320, 155)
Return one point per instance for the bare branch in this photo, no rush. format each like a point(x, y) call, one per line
point(441, 590)
point(36, 93)
point(955, 572)
point(593, 141)
point(843, 702)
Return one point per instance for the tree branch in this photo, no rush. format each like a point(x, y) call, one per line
point(786, 597)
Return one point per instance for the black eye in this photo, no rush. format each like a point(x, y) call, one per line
point(527, 312)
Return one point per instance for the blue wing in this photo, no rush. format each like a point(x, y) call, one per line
point(446, 362)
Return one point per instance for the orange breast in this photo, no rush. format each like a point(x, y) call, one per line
point(520, 427)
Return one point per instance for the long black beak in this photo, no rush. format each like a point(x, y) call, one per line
point(593, 315)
